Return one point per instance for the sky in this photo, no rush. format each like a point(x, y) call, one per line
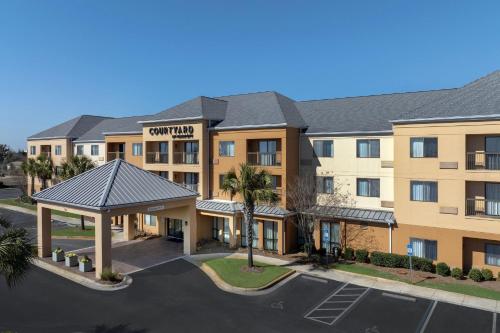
point(60, 59)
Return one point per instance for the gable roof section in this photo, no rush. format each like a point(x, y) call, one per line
point(197, 108)
point(479, 99)
point(71, 129)
point(264, 109)
point(364, 114)
point(112, 185)
point(125, 125)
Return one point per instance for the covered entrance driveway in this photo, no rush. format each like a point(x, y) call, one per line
point(116, 188)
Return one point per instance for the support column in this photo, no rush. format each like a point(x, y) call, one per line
point(281, 239)
point(44, 231)
point(232, 233)
point(260, 243)
point(102, 243)
point(190, 230)
point(129, 227)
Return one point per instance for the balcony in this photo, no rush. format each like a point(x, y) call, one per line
point(185, 158)
point(482, 207)
point(264, 159)
point(481, 160)
point(156, 157)
point(115, 155)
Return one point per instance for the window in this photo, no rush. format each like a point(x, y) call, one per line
point(32, 150)
point(323, 148)
point(137, 149)
point(492, 199)
point(79, 150)
point(150, 220)
point(94, 150)
point(271, 235)
point(330, 235)
point(255, 234)
point(163, 174)
point(226, 148)
point(221, 180)
point(325, 185)
point(492, 254)
point(58, 150)
point(423, 191)
point(423, 147)
point(215, 228)
point(368, 148)
point(58, 170)
point(225, 232)
point(424, 248)
point(174, 228)
point(368, 187)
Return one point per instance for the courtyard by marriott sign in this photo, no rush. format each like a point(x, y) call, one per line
point(185, 131)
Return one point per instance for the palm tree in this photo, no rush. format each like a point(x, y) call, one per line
point(16, 252)
point(253, 186)
point(75, 166)
point(29, 169)
point(44, 169)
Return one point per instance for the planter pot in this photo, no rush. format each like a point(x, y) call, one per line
point(71, 261)
point(85, 266)
point(57, 256)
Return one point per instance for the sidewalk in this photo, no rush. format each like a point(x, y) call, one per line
point(401, 287)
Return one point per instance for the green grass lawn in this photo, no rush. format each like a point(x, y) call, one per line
point(74, 231)
point(14, 202)
point(471, 290)
point(230, 271)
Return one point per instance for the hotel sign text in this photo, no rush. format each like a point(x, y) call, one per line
point(184, 131)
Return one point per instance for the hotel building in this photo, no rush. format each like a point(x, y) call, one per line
point(421, 167)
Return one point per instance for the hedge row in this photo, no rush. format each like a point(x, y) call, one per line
point(401, 261)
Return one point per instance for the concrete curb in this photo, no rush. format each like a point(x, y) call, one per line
point(404, 288)
point(223, 285)
point(86, 282)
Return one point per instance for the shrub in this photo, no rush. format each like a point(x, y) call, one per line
point(70, 254)
point(349, 253)
point(108, 275)
point(397, 260)
point(475, 275)
point(442, 269)
point(85, 259)
point(487, 274)
point(361, 255)
point(58, 250)
point(457, 273)
point(422, 264)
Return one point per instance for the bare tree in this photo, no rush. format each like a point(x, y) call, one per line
point(310, 201)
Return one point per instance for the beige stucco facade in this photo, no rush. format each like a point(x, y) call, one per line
point(99, 158)
point(126, 142)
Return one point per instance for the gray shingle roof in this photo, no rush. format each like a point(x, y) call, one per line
point(234, 207)
point(114, 184)
point(358, 214)
point(363, 114)
point(480, 98)
point(260, 110)
point(72, 128)
point(197, 108)
point(113, 125)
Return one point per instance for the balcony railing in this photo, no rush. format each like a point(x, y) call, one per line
point(481, 160)
point(192, 187)
point(264, 159)
point(115, 155)
point(156, 157)
point(482, 207)
point(185, 158)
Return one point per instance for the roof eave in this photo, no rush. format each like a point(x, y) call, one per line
point(353, 133)
point(169, 120)
point(446, 119)
point(216, 128)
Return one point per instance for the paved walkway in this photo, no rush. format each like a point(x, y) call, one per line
point(401, 287)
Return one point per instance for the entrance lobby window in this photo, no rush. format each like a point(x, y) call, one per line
point(215, 228)
point(150, 220)
point(330, 235)
point(174, 228)
point(255, 229)
point(271, 235)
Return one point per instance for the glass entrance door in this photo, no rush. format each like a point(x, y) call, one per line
point(174, 228)
point(330, 235)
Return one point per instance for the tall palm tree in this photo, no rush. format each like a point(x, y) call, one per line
point(29, 169)
point(75, 166)
point(44, 169)
point(16, 252)
point(253, 186)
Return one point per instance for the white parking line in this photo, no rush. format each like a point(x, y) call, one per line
point(312, 278)
point(401, 297)
point(429, 315)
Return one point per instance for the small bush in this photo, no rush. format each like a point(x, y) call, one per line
point(349, 253)
point(422, 264)
point(443, 269)
point(475, 275)
point(487, 274)
point(361, 255)
point(108, 275)
point(457, 273)
point(85, 259)
point(396, 260)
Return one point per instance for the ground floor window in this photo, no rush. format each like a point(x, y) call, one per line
point(424, 248)
point(150, 220)
point(174, 228)
point(226, 230)
point(255, 234)
point(492, 254)
point(330, 235)
point(271, 235)
point(215, 228)
point(218, 224)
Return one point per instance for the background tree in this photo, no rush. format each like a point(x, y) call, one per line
point(304, 198)
point(254, 186)
point(75, 166)
point(16, 252)
point(30, 170)
point(4, 152)
point(44, 169)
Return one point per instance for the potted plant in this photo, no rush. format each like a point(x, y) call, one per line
point(85, 264)
point(71, 259)
point(58, 254)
